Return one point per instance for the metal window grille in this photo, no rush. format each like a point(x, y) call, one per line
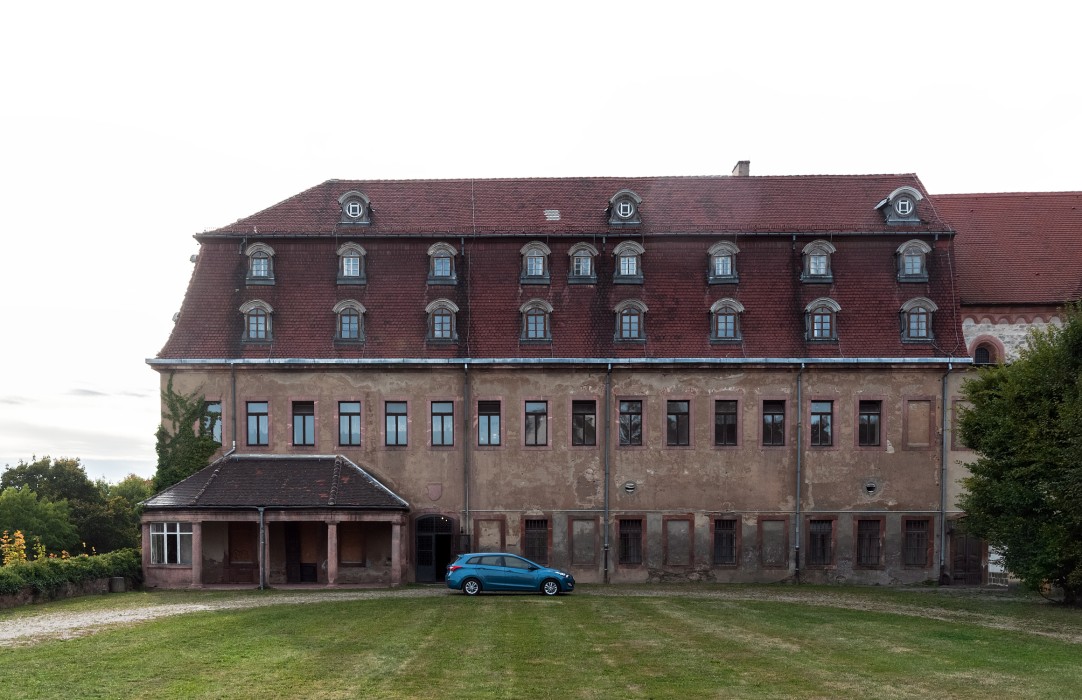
point(820, 542)
point(725, 542)
point(537, 541)
point(868, 543)
point(915, 546)
point(631, 541)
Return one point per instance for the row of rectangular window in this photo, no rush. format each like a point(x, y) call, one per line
point(536, 423)
point(171, 542)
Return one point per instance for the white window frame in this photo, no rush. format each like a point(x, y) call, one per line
point(175, 533)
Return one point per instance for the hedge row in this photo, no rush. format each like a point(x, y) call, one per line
point(45, 575)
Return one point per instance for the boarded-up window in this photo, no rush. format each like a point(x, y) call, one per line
point(243, 545)
point(918, 414)
point(773, 543)
point(489, 535)
point(678, 542)
point(351, 544)
point(583, 542)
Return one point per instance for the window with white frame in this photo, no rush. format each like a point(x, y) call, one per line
point(350, 324)
point(441, 268)
point(916, 319)
point(817, 262)
point(582, 270)
point(628, 263)
point(260, 264)
point(725, 320)
point(535, 263)
point(913, 261)
point(630, 320)
point(356, 208)
point(536, 325)
point(722, 263)
point(171, 543)
point(351, 268)
point(624, 209)
point(441, 320)
point(821, 319)
point(257, 321)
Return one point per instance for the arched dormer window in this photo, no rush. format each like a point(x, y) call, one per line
point(350, 321)
point(442, 323)
point(536, 320)
point(257, 321)
point(913, 261)
point(725, 320)
point(441, 264)
point(582, 270)
point(628, 263)
point(260, 264)
point(624, 209)
point(535, 263)
point(899, 208)
point(817, 259)
point(821, 319)
point(356, 208)
point(630, 321)
point(722, 263)
point(916, 320)
point(351, 264)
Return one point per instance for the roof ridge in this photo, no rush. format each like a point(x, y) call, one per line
point(335, 481)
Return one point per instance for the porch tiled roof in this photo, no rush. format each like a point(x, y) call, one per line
point(250, 481)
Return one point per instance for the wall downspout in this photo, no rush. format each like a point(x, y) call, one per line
point(943, 483)
point(233, 399)
point(799, 463)
point(608, 447)
point(262, 550)
point(467, 418)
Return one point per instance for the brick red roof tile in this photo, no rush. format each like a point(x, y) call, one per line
point(1017, 248)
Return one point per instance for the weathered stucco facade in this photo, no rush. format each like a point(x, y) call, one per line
point(776, 404)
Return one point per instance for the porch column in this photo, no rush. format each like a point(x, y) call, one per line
point(197, 554)
point(332, 553)
point(396, 553)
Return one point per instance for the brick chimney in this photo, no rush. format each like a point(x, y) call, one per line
point(742, 168)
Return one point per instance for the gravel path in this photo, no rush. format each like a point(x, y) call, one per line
point(26, 629)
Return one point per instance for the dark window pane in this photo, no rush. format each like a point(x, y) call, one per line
point(349, 423)
point(677, 423)
point(488, 422)
point(868, 544)
point(536, 424)
point(725, 542)
point(821, 418)
point(304, 423)
point(868, 428)
point(631, 422)
point(725, 422)
point(773, 422)
point(583, 423)
point(820, 542)
point(630, 541)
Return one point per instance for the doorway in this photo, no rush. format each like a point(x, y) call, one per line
point(966, 555)
point(434, 547)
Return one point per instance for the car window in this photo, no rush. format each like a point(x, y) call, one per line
point(492, 561)
point(475, 560)
point(516, 563)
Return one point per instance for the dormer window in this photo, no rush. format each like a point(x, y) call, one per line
point(722, 263)
point(441, 268)
point(355, 208)
point(442, 326)
point(916, 320)
point(817, 259)
point(536, 325)
point(899, 208)
point(725, 325)
point(821, 320)
point(582, 264)
point(624, 209)
point(351, 268)
point(913, 261)
point(628, 263)
point(350, 326)
point(630, 321)
point(260, 264)
point(257, 321)
point(535, 263)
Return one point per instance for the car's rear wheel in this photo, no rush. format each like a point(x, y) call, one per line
point(550, 587)
point(471, 586)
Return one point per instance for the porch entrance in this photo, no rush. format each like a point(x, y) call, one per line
point(434, 547)
point(966, 552)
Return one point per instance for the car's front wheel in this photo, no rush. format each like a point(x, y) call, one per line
point(550, 587)
point(471, 586)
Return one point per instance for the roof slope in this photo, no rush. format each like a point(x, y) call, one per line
point(715, 203)
point(1016, 248)
point(240, 481)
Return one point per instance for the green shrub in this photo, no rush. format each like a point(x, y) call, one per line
point(45, 575)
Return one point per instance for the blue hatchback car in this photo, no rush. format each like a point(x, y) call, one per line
point(499, 571)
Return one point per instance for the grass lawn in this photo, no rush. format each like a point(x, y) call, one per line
point(634, 642)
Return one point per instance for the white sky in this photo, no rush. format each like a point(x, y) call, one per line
point(125, 128)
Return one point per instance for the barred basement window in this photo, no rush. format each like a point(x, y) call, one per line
point(171, 543)
point(820, 542)
point(915, 542)
point(868, 543)
point(537, 541)
point(630, 541)
point(725, 542)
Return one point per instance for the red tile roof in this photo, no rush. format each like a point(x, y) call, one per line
point(682, 219)
point(1016, 248)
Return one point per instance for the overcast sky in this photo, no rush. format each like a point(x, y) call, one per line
point(125, 128)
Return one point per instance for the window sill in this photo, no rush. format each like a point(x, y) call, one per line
point(259, 281)
point(442, 280)
point(821, 340)
point(627, 279)
point(629, 341)
point(927, 341)
point(347, 342)
point(352, 280)
point(723, 279)
point(912, 278)
point(817, 279)
point(726, 341)
point(582, 279)
point(442, 341)
point(257, 341)
point(533, 279)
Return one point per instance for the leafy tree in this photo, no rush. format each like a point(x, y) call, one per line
point(65, 480)
point(189, 447)
point(21, 509)
point(1024, 495)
